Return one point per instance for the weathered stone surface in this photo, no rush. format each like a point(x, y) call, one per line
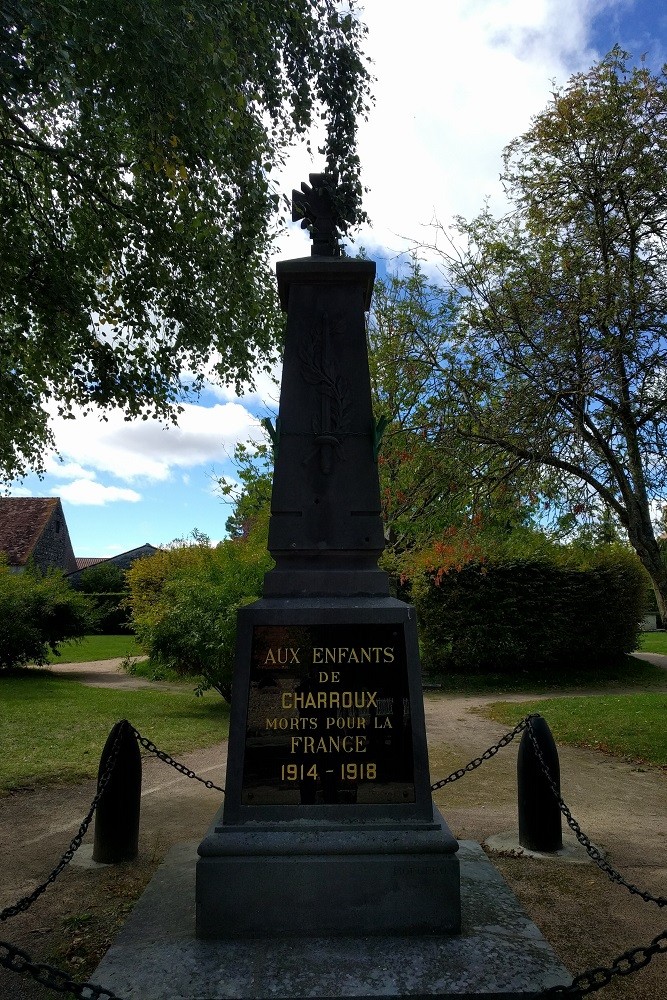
point(500, 954)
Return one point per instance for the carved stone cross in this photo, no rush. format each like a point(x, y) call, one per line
point(315, 208)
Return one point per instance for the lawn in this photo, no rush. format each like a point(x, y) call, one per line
point(97, 647)
point(631, 725)
point(653, 642)
point(629, 673)
point(52, 729)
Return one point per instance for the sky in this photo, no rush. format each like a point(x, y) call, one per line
point(455, 81)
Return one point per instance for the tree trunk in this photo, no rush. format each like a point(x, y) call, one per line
point(645, 545)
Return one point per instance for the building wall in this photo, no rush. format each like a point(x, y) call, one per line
point(53, 548)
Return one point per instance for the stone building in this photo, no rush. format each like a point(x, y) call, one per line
point(123, 561)
point(33, 529)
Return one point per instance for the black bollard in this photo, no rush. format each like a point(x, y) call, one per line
point(117, 814)
point(539, 812)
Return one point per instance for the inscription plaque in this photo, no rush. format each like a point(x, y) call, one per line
point(328, 717)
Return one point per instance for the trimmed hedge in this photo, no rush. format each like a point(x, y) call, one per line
point(524, 614)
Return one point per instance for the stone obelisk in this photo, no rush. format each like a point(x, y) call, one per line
point(328, 825)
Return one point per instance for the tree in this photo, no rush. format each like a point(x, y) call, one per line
point(436, 500)
point(185, 599)
point(104, 578)
point(37, 613)
point(251, 491)
point(560, 359)
point(137, 142)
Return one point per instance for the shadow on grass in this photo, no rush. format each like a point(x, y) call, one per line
point(629, 673)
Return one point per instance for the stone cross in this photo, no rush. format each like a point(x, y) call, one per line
point(315, 207)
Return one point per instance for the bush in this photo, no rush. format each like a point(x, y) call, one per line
point(37, 613)
point(110, 613)
point(184, 602)
point(103, 578)
point(562, 610)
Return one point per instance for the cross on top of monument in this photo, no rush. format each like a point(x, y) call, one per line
point(315, 207)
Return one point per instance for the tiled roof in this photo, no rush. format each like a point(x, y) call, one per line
point(85, 562)
point(22, 520)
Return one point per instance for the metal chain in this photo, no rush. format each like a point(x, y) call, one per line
point(16, 960)
point(591, 849)
point(487, 755)
point(181, 768)
point(595, 979)
point(23, 904)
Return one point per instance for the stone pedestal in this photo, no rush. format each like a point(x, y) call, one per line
point(328, 825)
point(328, 879)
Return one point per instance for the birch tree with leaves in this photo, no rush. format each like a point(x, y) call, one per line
point(138, 142)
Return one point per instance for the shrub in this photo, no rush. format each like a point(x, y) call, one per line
point(184, 602)
point(37, 613)
point(110, 613)
point(562, 609)
point(103, 578)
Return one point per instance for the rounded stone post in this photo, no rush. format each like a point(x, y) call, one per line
point(539, 812)
point(117, 814)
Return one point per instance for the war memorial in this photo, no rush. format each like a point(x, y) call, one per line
point(328, 871)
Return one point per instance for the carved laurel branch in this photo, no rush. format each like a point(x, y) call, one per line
point(333, 385)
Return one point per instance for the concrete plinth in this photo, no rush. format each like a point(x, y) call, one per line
point(499, 955)
point(300, 879)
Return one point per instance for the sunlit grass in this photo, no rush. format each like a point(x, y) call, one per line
point(631, 725)
point(97, 647)
point(52, 729)
point(653, 642)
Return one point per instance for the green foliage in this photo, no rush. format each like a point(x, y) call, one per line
point(561, 348)
point(37, 613)
point(105, 578)
point(251, 495)
point(431, 479)
point(137, 147)
point(106, 588)
point(109, 612)
point(559, 609)
point(184, 602)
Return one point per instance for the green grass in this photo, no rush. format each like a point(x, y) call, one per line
point(653, 642)
point(52, 729)
point(97, 647)
point(631, 725)
point(158, 672)
point(631, 673)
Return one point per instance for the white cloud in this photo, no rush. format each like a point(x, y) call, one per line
point(264, 395)
point(17, 491)
point(456, 80)
point(84, 492)
point(147, 449)
point(66, 470)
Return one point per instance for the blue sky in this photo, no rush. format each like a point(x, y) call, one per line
point(455, 82)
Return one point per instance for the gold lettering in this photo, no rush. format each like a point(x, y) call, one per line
point(270, 658)
point(317, 654)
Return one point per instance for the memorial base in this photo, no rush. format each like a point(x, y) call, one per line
point(302, 879)
point(499, 954)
